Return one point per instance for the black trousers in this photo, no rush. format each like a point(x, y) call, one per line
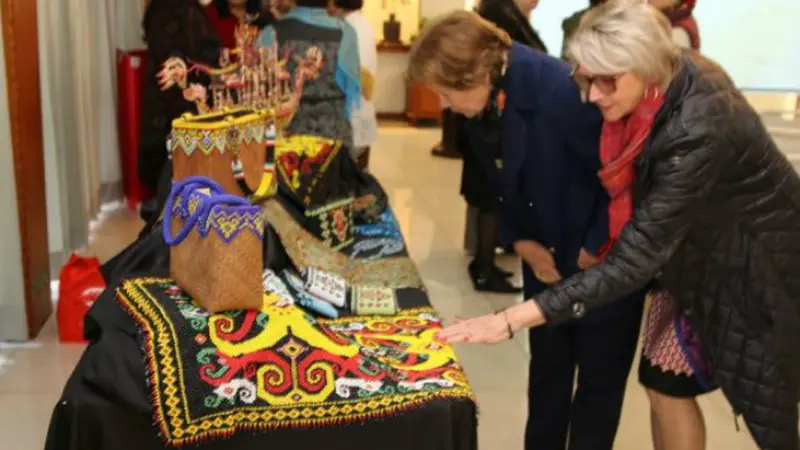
point(601, 352)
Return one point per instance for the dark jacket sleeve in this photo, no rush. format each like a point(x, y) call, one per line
point(681, 181)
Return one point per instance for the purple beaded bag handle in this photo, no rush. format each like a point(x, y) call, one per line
point(185, 189)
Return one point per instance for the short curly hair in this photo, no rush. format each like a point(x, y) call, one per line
point(625, 35)
point(458, 51)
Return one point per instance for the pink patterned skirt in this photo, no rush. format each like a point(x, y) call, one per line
point(672, 360)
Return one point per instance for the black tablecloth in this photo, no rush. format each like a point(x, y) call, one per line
point(86, 418)
point(106, 405)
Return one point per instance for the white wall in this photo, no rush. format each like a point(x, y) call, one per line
point(55, 233)
point(432, 8)
point(12, 296)
point(762, 62)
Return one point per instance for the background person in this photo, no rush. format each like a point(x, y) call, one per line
point(363, 118)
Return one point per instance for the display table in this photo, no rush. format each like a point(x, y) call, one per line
point(162, 373)
point(106, 405)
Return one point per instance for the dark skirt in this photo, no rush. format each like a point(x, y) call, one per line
point(672, 362)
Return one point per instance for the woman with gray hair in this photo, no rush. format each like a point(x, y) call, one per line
point(703, 202)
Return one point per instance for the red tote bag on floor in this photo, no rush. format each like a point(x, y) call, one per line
point(80, 283)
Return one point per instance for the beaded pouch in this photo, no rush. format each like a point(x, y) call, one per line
point(305, 167)
point(326, 286)
point(215, 239)
point(369, 300)
point(332, 223)
point(306, 300)
point(274, 285)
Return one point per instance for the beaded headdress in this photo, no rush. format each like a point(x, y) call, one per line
point(256, 79)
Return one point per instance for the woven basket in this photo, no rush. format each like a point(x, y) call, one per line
point(216, 251)
point(235, 148)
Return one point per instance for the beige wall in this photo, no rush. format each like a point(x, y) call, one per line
point(433, 8)
point(407, 14)
point(770, 102)
point(12, 296)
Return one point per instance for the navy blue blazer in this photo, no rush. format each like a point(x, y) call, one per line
point(547, 189)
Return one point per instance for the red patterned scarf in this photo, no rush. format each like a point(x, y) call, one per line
point(621, 142)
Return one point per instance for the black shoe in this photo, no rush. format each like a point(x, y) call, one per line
point(491, 282)
point(503, 273)
point(440, 152)
point(473, 269)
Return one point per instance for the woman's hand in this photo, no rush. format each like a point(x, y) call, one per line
point(586, 259)
point(494, 328)
point(539, 259)
point(488, 329)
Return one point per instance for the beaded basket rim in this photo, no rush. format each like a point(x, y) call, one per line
point(226, 119)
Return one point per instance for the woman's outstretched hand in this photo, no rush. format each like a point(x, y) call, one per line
point(493, 328)
point(488, 329)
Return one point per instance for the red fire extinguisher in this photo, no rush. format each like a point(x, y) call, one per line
point(130, 83)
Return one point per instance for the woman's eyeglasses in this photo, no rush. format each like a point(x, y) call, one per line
point(607, 84)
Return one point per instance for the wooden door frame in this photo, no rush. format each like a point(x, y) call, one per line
point(21, 45)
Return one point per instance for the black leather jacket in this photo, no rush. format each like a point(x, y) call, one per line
point(717, 222)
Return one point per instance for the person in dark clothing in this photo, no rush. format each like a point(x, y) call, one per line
point(171, 28)
point(525, 112)
point(512, 17)
point(229, 14)
point(705, 203)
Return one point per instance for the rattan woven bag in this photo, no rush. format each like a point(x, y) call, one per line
point(234, 147)
point(215, 239)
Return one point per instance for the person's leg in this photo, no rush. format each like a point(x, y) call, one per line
point(550, 381)
point(604, 351)
point(670, 379)
point(485, 275)
point(655, 431)
point(678, 422)
point(360, 156)
point(363, 160)
point(487, 229)
point(451, 128)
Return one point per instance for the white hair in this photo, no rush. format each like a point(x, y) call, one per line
point(625, 35)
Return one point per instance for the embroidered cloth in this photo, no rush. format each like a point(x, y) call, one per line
point(392, 268)
point(214, 375)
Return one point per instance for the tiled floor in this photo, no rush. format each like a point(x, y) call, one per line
point(424, 193)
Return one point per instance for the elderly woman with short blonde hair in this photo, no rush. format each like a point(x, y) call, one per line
point(705, 206)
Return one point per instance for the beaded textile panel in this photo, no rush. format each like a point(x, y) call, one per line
point(216, 375)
